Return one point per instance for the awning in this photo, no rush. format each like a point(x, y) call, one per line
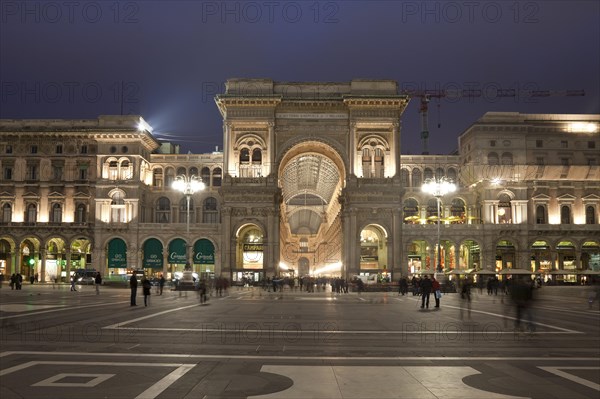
point(117, 253)
point(177, 252)
point(153, 254)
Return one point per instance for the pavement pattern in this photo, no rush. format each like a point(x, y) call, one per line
point(251, 343)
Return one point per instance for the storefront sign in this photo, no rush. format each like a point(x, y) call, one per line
point(253, 247)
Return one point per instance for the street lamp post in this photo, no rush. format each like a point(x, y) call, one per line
point(188, 186)
point(438, 188)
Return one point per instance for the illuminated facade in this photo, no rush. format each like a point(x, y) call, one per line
point(310, 180)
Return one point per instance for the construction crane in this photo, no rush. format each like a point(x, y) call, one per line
point(426, 95)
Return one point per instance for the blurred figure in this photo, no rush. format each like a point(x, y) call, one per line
point(146, 288)
point(521, 294)
point(425, 286)
point(465, 295)
point(437, 291)
point(98, 282)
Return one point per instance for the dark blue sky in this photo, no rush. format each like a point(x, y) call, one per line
point(72, 59)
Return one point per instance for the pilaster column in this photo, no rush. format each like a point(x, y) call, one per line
point(226, 149)
point(397, 266)
point(271, 150)
point(396, 148)
point(68, 267)
point(42, 277)
point(352, 147)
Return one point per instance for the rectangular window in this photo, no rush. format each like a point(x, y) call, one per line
point(8, 173)
point(34, 149)
point(32, 172)
point(492, 143)
point(539, 143)
point(564, 161)
point(58, 172)
point(564, 144)
point(9, 149)
point(84, 149)
point(539, 160)
point(59, 149)
point(591, 144)
point(83, 174)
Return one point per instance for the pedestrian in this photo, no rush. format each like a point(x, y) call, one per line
point(146, 288)
point(73, 279)
point(437, 291)
point(19, 281)
point(425, 287)
point(161, 284)
point(98, 281)
point(202, 291)
point(1, 279)
point(521, 293)
point(465, 295)
point(133, 286)
point(13, 281)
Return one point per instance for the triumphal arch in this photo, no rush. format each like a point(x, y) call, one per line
point(311, 178)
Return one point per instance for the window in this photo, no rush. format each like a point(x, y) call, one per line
point(6, 213)
point(57, 172)
point(59, 149)
point(564, 161)
point(56, 213)
point(32, 172)
point(492, 143)
point(416, 178)
point(493, 158)
point(157, 178)
point(83, 172)
point(205, 176)
point(591, 144)
point(80, 214)
point(9, 149)
point(163, 210)
point(183, 210)
point(439, 173)
point(540, 214)
point(539, 160)
point(590, 215)
point(507, 158)
point(539, 143)
point(8, 173)
point(565, 214)
point(210, 213)
point(404, 177)
point(33, 149)
point(411, 211)
point(592, 162)
point(451, 173)
point(117, 208)
point(428, 173)
point(113, 169)
point(564, 144)
point(84, 149)
point(31, 213)
point(216, 177)
point(504, 209)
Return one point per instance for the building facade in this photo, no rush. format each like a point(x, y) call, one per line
point(311, 180)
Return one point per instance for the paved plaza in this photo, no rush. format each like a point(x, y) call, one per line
point(252, 343)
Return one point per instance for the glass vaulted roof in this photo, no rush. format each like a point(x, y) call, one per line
point(308, 182)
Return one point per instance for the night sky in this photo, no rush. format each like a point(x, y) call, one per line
point(166, 60)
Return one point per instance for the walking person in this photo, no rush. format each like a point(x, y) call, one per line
point(73, 279)
point(98, 282)
point(161, 284)
point(437, 291)
point(146, 288)
point(133, 284)
point(465, 295)
point(202, 291)
point(425, 287)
